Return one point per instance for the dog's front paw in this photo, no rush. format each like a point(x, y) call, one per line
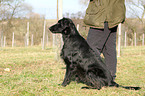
point(64, 84)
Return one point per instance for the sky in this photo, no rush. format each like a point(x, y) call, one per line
point(49, 7)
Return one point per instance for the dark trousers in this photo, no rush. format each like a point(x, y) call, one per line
point(104, 41)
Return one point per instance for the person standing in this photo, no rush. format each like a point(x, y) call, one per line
point(103, 17)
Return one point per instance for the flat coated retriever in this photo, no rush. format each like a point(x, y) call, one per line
point(81, 61)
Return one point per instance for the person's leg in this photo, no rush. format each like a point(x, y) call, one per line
point(94, 36)
point(109, 52)
point(96, 39)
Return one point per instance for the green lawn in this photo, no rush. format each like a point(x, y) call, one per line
point(34, 72)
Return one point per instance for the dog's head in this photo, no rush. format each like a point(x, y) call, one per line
point(64, 26)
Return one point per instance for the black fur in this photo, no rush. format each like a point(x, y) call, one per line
point(81, 61)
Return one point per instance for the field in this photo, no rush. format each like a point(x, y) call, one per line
point(34, 72)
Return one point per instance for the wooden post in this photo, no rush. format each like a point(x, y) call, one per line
point(125, 39)
point(27, 34)
point(57, 11)
point(143, 39)
point(60, 10)
point(119, 40)
point(43, 42)
point(4, 41)
point(13, 40)
point(135, 38)
point(78, 27)
point(60, 17)
point(1, 38)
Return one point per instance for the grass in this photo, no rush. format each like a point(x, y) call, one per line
point(34, 72)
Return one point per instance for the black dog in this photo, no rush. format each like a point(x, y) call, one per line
point(81, 61)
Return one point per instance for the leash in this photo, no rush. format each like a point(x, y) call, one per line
point(106, 36)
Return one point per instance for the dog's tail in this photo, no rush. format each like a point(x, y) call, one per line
point(126, 87)
point(130, 87)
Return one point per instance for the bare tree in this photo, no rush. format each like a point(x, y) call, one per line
point(84, 2)
point(13, 9)
point(10, 10)
point(136, 10)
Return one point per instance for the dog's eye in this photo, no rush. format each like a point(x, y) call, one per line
point(59, 23)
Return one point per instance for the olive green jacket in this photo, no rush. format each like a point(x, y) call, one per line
point(99, 11)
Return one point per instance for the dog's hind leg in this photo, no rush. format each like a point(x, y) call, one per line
point(95, 81)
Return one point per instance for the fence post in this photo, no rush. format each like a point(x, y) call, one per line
point(13, 39)
point(60, 9)
point(135, 38)
point(43, 42)
point(143, 40)
point(1, 38)
point(27, 38)
point(4, 41)
point(119, 40)
point(125, 39)
point(78, 27)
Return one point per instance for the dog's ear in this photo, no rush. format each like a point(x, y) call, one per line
point(67, 31)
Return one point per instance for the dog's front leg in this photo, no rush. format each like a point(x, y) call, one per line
point(68, 76)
